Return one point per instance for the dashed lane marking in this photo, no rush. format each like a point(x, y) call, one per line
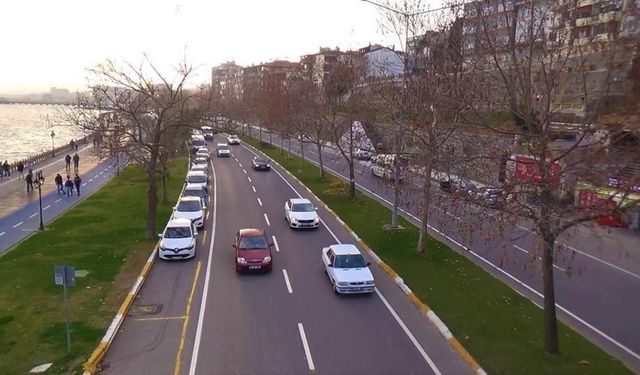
point(275, 244)
point(254, 188)
point(259, 202)
point(286, 280)
point(20, 223)
point(46, 207)
point(266, 218)
point(305, 344)
point(57, 201)
point(32, 216)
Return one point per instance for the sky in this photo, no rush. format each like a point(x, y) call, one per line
point(47, 43)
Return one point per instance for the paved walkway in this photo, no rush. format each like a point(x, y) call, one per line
point(13, 191)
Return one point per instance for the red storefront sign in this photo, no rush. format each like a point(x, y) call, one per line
point(526, 170)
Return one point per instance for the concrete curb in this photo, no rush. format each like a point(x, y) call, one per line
point(91, 366)
point(393, 275)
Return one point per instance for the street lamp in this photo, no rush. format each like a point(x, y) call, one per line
point(53, 149)
point(39, 181)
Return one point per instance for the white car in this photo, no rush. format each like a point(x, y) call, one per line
point(233, 140)
point(347, 269)
point(199, 160)
point(198, 177)
point(202, 153)
point(178, 241)
point(196, 190)
point(300, 213)
point(190, 208)
point(222, 150)
point(200, 167)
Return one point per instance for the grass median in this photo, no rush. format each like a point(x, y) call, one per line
point(502, 330)
point(103, 235)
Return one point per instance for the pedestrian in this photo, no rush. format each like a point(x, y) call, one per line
point(30, 166)
point(76, 144)
point(76, 160)
point(21, 169)
point(29, 180)
point(67, 162)
point(59, 184)
point(77, 181)
point(6, 168)
point(71, 144)
point(69, 185)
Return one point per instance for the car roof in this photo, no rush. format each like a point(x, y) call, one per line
point(196, 173)
point(205, 127)
point(222, 144)
point(251, 232)
point(300, 200)
point(194, 187)
point(189, 199)
point(197, 136)
point(182, 222)
point(345, 249)
point(203, 149)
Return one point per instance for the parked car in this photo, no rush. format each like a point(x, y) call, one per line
point(199, 160)
point(198, 177)
point(196, 190)
point(200, 167)
point(361, 154)
point(233, 140)
point(253, 250)
point(260, 164)
point(202, 153)
point(207, 132)
point(222, 150)
point(178, 241)
point(347, 269)
point(190, 208)
point(300, 213)
point(489, 196)
point(197, 141)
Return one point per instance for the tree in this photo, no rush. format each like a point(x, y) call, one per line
point(524, 62)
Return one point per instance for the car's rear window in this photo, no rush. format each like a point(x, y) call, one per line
point(194, 193)
point(177, 232)
point(253, 243)
point(189, 206)
point(350, 261)
point(197, 179)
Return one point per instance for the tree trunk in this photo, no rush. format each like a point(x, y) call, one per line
point(270, 139)
point(320, 161)
point(152, 196)
point(165, 194)
point(289, 149)
point(302, 152)
point(281, 145)
point(260, 129)
point(352, 181)
point(426, 203)
point(551, 344)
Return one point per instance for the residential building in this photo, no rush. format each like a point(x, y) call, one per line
point(227, 77)
point(382, 62)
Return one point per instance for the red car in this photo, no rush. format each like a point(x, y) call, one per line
point(253, 250)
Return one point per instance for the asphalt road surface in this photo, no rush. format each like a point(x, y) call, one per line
point(597, 273)
point(201, 317)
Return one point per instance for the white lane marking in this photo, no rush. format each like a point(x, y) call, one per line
point(83, 184)
point(32, 216)
point(205, 291)
point(537, 257)
point(206, 217)
point(275, 243)
point(259, 202)
point(408, 333)
point(47, 206)
point(305, 344)
point(91, 179)
point(204, 237)
point(2, 234)
point(601, 261)
point(240, 164)
point(249, 178)
point(286, 280)
point(254, 188)
point(57, 201)
point(245, 171)
point(395, 315)
point(266, 218)
point(17, 225)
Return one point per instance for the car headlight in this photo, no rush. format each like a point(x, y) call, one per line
point(266, 260)
point(343, 283)
point(316, 219)
point(293, 219)
point(241, 261)
point(370, 282)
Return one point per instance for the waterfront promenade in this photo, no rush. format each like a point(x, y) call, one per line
point(19, 210)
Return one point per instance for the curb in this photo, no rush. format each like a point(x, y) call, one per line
point(91, 366)
point(393, 275)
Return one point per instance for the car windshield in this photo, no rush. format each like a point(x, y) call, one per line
point(199, 179)
point(224, 148)
point(200, 161)
point(260, 160)
point(197, 142)
point(349, 261)
point(189, 206)
point(302, 207)
point(252, 243)
point(194, 193)
point(177, 232)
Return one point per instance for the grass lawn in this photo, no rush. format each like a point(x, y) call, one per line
point(502, 330)
point(105, 236)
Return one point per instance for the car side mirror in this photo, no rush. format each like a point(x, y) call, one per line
point(330, 265)
point(316, 208)
point(233, 245)
point(174, 207)
point(271, 244)
point(160, 235)
point(368, 263)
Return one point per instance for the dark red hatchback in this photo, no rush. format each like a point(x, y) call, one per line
point(253, 250)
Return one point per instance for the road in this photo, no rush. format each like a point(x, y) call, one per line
point(200, 317)
point(21, 209)
point(597, 273)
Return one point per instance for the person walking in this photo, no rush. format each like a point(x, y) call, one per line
point(76, 144)
point(76, 161)
point(67, 162)
point(20, 169)
point(69, 185)
point(71, 145)
point(77, 181)
point(30, 166)
point(59, 184)
point(6, 168)
point(29, 180)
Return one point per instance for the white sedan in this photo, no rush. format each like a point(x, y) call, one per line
point(178, 241)
point(300, 213)
point(347, 269)
point(190, 208)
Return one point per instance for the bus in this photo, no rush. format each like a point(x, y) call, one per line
point(207, 132)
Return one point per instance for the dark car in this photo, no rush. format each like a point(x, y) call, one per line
point(260, 164)
point(253, 250)
point(489, 196)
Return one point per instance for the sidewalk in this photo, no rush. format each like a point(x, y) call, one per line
point(13, 191)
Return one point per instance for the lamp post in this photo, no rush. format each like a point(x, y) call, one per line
point(53, 149)
point(39, 181)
